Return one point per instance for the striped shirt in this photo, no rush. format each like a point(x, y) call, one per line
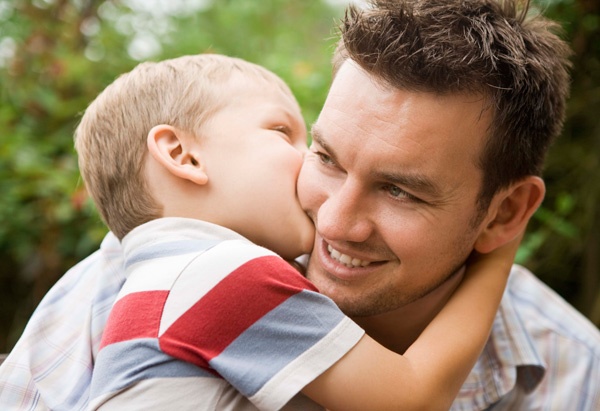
point(208, 320)
point(541, 355)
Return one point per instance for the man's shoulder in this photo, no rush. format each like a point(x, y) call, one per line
point(550, 350)
point(544, 312)
point(541, 351)
point(53, 358)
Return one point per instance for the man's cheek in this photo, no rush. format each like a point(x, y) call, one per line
point(306, 188)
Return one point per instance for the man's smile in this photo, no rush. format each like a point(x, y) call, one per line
point(345, 259)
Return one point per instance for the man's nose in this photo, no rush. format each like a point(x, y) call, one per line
point(344, 215)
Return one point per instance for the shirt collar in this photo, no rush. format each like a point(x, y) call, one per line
point(508, 359)
point(172, 236)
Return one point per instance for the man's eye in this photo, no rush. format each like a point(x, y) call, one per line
point(325, 159)
point(397, 192)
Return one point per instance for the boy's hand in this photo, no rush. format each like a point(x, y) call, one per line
point(504, 255)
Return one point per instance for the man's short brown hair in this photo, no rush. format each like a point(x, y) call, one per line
point(501, 50)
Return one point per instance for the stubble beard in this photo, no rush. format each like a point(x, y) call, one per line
point(376, 301)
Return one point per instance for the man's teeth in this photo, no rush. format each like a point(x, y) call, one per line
point(346, 259)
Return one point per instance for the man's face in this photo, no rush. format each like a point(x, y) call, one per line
point(391, 183)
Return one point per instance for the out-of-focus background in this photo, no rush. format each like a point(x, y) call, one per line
point(57, 55)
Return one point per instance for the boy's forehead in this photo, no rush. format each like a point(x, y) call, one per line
point(252, 92)
point(252, 80)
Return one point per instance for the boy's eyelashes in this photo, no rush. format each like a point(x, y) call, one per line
point(285, 131)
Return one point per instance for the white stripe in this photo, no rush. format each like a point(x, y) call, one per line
point(203, 273)
point(155, 274)
point(175, 394)
point(305, 368)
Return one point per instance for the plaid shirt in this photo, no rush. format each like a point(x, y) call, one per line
point(51, 365)
point(542, 354)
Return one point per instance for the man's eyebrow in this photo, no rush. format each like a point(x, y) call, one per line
point(419, 184)
point(414, 183)
point(317, 137)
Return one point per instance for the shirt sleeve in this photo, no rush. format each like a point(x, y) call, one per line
point(255, 323)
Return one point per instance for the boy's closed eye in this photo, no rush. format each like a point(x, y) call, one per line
point(285, 131)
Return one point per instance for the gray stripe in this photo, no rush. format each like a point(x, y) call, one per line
point(170, 249)
point(123, 364)
point(276, 339)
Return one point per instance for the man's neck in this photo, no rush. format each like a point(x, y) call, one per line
point(398, 329)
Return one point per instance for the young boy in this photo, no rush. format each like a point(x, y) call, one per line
point(192, 163)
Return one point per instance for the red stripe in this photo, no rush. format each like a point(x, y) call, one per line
point(136, 315)
point(232, 306)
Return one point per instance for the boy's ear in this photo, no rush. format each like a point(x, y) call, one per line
point(177, 152)
point(510, 212)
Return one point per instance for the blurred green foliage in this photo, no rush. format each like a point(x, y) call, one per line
point(563, 242)
point(57, 55)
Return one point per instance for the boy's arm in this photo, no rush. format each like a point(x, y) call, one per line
point(429, 375)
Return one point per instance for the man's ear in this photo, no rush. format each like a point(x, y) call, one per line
point(509, 213)
point(176, 151)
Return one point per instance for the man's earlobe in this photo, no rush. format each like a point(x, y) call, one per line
point(510, 212)
point(177, 152)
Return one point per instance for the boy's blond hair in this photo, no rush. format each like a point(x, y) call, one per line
point(111, 138)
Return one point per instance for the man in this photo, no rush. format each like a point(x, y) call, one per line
point(430, 145)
